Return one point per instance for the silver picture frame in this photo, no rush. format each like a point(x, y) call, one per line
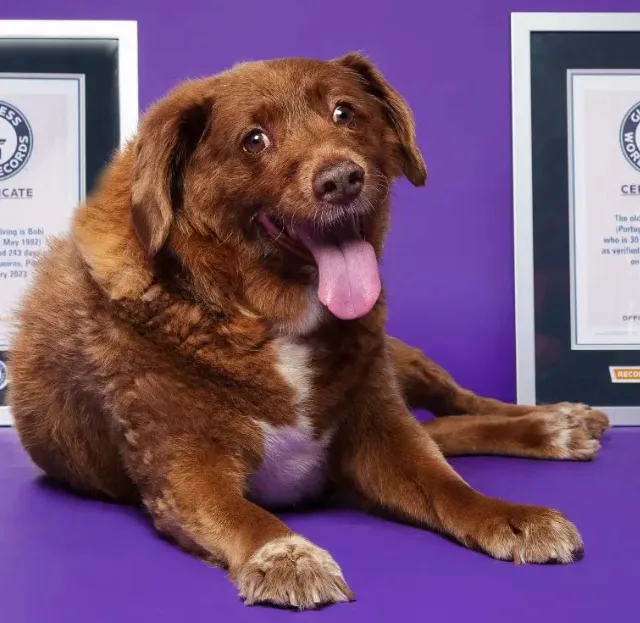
point(523, 27)
point(45, 39)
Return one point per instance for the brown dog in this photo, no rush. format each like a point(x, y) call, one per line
point(210, 338)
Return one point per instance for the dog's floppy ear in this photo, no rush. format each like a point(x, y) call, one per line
point(399, 114)
point(168, 136)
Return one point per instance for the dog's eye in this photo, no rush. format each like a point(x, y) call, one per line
point(256, 141)
point(343, 114)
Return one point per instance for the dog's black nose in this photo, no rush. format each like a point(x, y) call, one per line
point(339, 183)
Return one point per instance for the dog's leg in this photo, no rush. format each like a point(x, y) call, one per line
point(200, 504)
point(553, 434)
point(425, 385)
point(391, 463)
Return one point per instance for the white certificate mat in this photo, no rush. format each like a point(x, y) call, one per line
point(42, 175)
point(604, 207)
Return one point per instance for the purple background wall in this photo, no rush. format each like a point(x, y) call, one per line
point(449, 262)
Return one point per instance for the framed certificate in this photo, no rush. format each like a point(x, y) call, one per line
point(576, 157)
point(68, 100)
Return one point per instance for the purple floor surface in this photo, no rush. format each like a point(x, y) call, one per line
point(72, 560)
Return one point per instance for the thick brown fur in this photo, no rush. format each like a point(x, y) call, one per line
point(148, 366)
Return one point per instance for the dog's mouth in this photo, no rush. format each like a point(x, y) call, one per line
point(348, 275)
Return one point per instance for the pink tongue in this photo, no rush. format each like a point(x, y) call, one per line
point(349, 278)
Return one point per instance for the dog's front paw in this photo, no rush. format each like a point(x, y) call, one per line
point(292, 572)
point(528, 534)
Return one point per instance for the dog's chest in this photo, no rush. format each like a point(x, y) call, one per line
point(294, 461)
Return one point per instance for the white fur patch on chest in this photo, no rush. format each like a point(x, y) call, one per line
point(294, 463)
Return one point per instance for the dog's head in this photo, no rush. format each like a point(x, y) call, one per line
point(289, 161)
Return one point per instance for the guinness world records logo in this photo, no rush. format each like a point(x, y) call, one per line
point(16, 141)
point(4, 375)
point(630, 136)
